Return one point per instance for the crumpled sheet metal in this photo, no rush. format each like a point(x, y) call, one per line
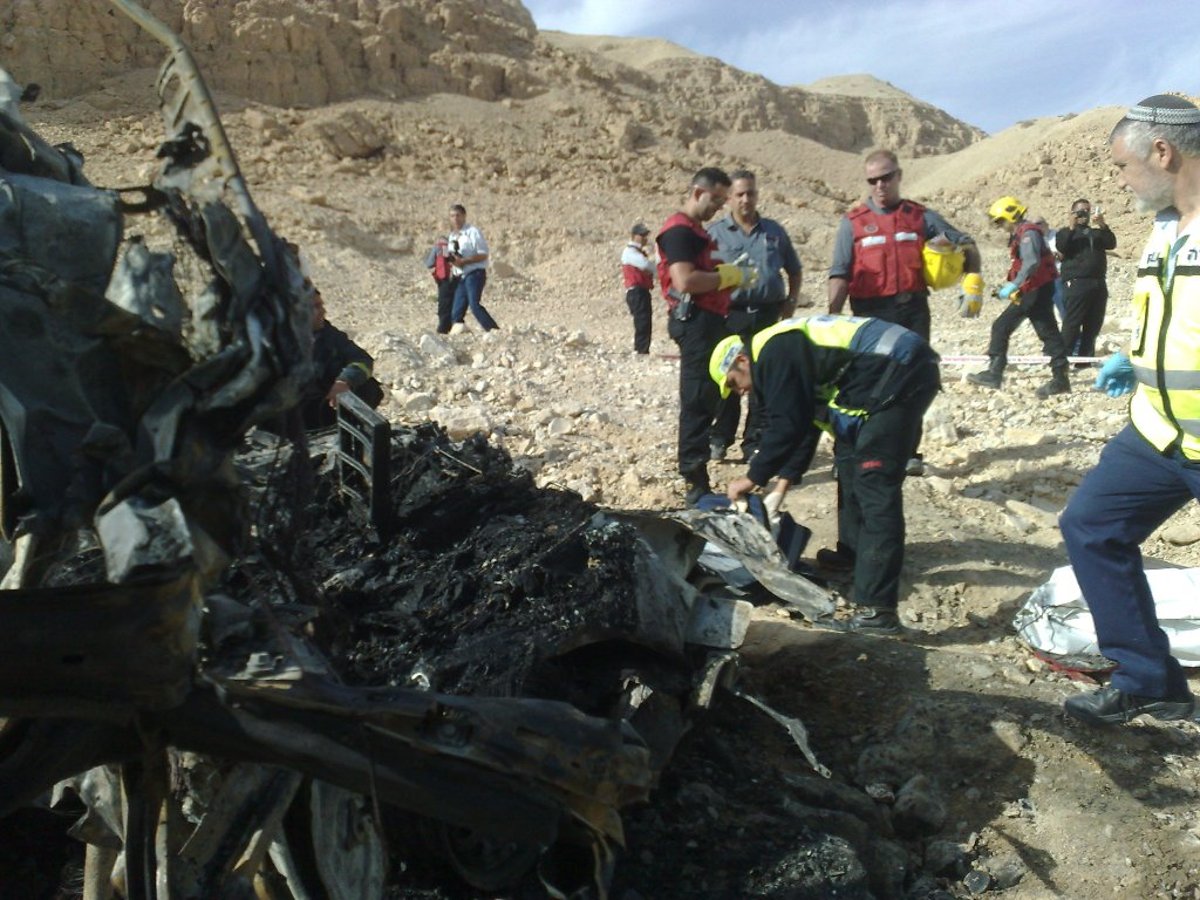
point(1056, 619)
point(743, 537)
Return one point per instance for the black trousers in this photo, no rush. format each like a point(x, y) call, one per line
point(445, 304)
point(698, 394)
point(1084, 303)
point(870, 472)
point(638, 301)
point(1038, 308)
point(913, 314)
point(745, 323)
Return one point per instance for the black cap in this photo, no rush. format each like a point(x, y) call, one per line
point(639, 228)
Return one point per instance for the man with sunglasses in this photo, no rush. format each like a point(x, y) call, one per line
point(877, 258)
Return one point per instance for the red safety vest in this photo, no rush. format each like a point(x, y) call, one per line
point(887, 250)
point(441, 263)
point(1045, 272)
point(635, 277)
point(713, 301)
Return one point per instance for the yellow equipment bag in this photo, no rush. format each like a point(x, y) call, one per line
point(943, 265)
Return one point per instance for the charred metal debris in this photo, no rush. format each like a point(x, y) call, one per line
point(247, 669)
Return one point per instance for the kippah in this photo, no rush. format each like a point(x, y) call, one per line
point(1165, 109)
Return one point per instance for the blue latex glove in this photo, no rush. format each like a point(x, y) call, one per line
point(1116, 376)
point(1006, 290)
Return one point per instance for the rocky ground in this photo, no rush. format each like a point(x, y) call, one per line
point(1031, 804)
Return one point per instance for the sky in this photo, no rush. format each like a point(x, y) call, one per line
point(991, 64)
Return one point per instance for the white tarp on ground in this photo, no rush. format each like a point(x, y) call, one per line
point(1055, 618)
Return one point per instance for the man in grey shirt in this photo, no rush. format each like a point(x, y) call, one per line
point(877, 256)
point(766, 245)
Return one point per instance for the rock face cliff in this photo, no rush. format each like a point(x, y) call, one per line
point(304, 53)
point(284, 52)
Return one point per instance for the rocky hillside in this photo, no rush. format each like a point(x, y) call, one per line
point(308, 53)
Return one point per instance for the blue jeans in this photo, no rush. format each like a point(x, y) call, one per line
point(1132, 491)
point(470, 290)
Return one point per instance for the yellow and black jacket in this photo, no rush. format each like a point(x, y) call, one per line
point(1165, 347)
point(828, 372)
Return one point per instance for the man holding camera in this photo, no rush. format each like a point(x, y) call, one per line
point(696, 288)
point(468, 256)
point(1081, 244)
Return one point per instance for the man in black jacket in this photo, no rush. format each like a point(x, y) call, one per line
point(340, 365)
point(1081, 244)
point(867, 381)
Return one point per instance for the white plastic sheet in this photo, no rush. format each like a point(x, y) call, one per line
point(1055, 619)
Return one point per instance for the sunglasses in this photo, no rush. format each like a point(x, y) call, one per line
point(885, 177)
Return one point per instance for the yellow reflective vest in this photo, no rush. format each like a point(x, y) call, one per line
point(839, 341)
point(1165, 347)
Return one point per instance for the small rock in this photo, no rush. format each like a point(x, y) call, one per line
point(437, 351)
point(940, 485)
point(558, 426)
point(977, 882)
point(917, 811)
point(1181, 535)
point(945, 859)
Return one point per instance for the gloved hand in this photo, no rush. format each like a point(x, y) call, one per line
point(1116, 376)
point(1008, 291)
point(771, 504)
point(970, 301)
point(741, 273)
point(731, 276)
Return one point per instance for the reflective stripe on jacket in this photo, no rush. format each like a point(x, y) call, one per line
point(1165, 349)
point(884, 351)
point(887, 250)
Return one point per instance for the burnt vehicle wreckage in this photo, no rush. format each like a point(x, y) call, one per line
point(500, 669)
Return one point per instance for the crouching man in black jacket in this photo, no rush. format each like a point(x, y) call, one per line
point(867, 381)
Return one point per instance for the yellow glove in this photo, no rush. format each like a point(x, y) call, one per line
point(970, 302)
point(731, 276)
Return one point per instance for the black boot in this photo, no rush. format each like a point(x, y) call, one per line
point(697, 484)
point(1059, 383)
point(992, 376)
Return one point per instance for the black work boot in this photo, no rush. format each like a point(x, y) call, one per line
point(697, 485)
point(1110, 706)
point(992, 376)
point(1059, 383)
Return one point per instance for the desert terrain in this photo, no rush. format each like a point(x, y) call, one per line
point(358, 123)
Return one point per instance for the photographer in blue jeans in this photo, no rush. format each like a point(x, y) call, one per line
point(469, 255)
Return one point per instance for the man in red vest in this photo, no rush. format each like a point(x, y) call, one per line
point(877, 259)
point(637, 274)
point(437, 260)
point(697, 288)
point(1030, 295)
